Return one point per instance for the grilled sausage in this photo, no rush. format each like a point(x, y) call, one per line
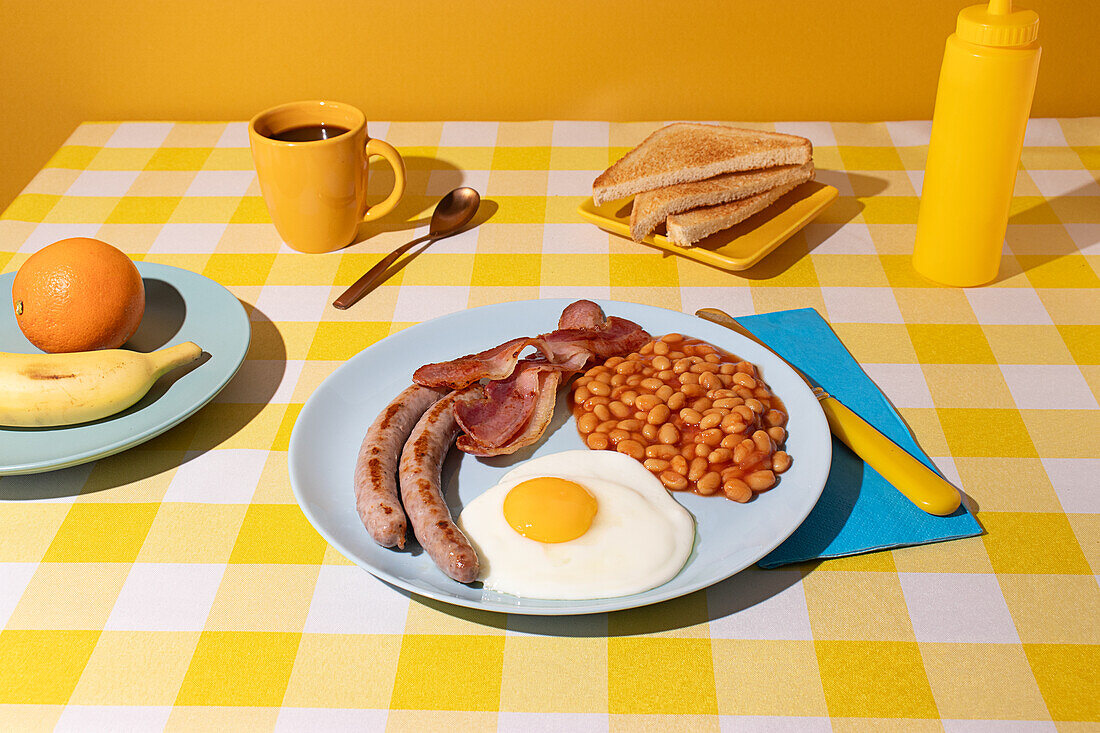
point(421, 462)
point(376, 497)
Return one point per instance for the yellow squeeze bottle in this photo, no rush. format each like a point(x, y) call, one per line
point(982, 105)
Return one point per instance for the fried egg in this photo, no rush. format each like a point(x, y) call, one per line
point(577, 525)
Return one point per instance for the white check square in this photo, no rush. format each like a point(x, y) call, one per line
point(819, 133)
point(735, 299)
point(188, 238)
point(442, 182)
point(349, 600)
point(1044, 132)
point(759, 604)
point(14, 577)
point(571, 183)
point(102, 183)
point(575, 292)
point(1076, 481)
point(235, 135)
point(958, 608)
point(910, 133)
point(166, 597)
point(861, 305)
point(1008, 306)
point(1052, 183)
point(139, 135)
point(417, 303)
point(112, 718)
point(574, 239)
point(903, 384)
point(330, 720)
point(839, 239)
point(1086, 237)
point(293, 302)
point(1048, 387)
point(581, 134)
point(469, 134)
point(46, 234)
point(221, 183)
point(220, 476)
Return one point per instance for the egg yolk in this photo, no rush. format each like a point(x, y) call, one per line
point(549, 509)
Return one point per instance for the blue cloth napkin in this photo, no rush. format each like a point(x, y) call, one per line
point(859, 511)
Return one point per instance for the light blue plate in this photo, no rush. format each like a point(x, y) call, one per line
point(179, 306)
point(729, 536)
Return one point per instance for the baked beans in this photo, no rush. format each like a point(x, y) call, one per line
point(700, 419)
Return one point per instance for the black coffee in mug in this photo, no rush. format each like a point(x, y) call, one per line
point(308, 133)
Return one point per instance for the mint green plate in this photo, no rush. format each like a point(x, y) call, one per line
point(179, 306)
point(729, 537)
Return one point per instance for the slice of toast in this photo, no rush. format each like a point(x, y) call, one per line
point(689, 227)
point(652, 207)
point(689, 151)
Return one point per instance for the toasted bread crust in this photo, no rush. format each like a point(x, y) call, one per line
point(652, 207)
point(689, 227)
point(688, 151)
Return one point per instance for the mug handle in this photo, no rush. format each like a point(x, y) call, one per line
point(387, 151)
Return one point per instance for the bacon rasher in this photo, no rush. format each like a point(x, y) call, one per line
point(513, 408)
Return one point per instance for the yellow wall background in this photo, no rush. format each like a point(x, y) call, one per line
point(64, 61)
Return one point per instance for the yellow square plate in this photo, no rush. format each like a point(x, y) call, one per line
point(737, 248)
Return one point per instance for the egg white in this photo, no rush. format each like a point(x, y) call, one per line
point(640, 537)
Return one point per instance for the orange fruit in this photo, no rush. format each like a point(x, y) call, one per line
point(78, 294)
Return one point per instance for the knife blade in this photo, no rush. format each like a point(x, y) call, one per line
point(918, 483)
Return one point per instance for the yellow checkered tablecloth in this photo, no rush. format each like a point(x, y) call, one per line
point(177, 585)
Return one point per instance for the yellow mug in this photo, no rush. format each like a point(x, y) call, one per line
point(312, 161)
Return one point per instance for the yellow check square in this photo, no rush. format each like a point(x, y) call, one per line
point(1032, 543)
point(870, 158)
point(1068, 676)
point(239, 668)
point(277, 533)
point(684, 684)
point(83, 536)
point(1083, 343)
point(986, 432)
point(643, 270)
point(239, 269)
point(875, 679)
point(339, 341)
point(251, 210)
point(178, 159)
point(944, 343)
point(144, 210)
point(521, 159)
point(430, 664)
point(42, 667)
point(504, 269)
point(519, 209)
point(73, 156)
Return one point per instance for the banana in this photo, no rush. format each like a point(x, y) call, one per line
point(40, 390)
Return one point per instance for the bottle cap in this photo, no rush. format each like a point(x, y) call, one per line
point(997, 24)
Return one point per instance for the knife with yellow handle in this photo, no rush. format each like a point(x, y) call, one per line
point(918, 483)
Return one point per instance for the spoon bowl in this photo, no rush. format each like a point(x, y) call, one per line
point(452, 213)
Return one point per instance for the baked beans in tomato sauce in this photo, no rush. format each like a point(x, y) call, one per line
point(699, 418)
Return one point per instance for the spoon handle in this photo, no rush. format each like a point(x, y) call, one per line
point(367, 282)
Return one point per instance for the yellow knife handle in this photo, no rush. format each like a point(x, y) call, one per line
point(918, 483)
